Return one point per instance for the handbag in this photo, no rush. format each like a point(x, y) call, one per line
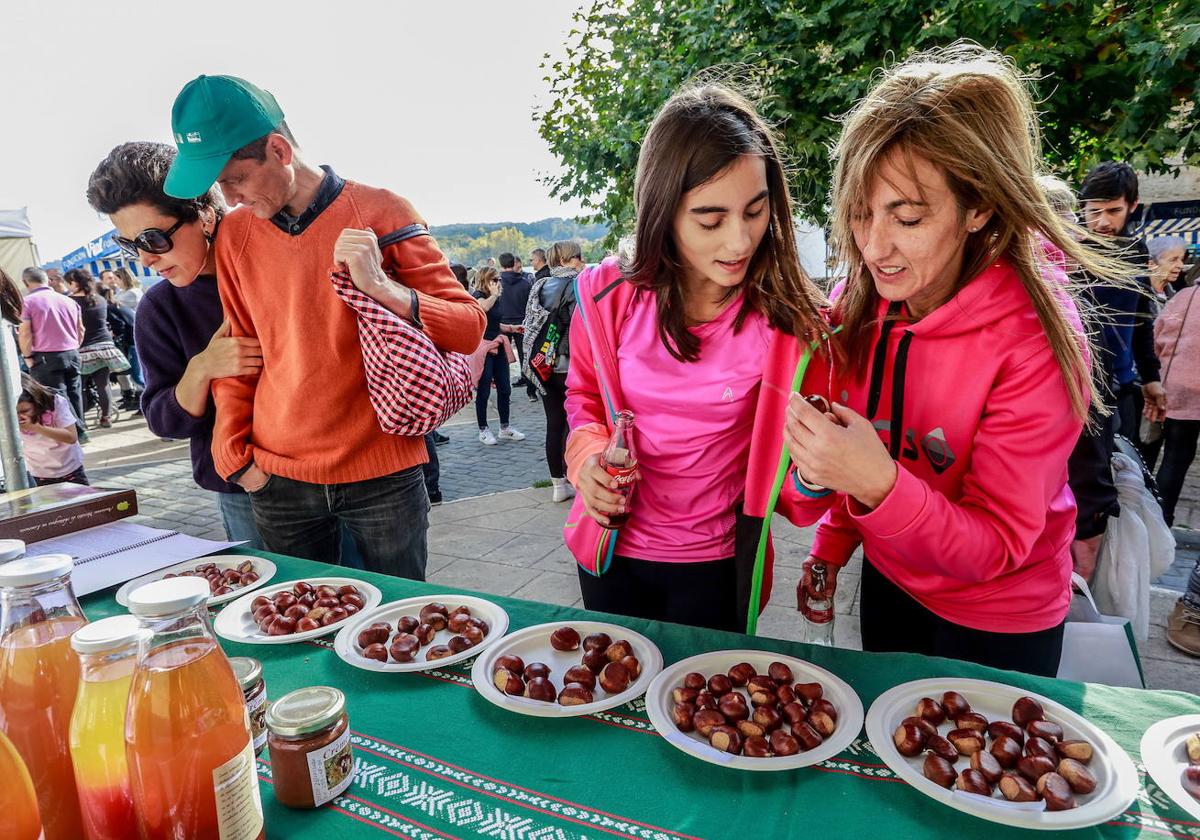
point(414, 387)
point(1098, 648)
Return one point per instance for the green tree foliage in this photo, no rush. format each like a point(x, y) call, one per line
point(473, 243)
point(1115, 79)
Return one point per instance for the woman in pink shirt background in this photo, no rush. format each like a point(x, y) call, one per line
point(49, 435)
point(714, 280)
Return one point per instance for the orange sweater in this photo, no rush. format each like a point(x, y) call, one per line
point(308, 416)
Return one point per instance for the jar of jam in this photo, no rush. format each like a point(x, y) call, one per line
point(250, 677)
point(309, 740)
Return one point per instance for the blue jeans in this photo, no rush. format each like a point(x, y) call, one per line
point(239, 519)
point(387, 518)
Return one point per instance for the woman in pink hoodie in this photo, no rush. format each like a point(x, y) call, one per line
point(963, 382)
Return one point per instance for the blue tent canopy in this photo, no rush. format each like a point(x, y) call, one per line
point(103, 254)
point(1172, 218)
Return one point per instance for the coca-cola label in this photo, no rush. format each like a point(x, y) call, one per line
point(625, 476)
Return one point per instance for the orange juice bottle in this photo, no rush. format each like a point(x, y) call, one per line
point(39, 676)
point(19, 818)
point(187, 732)
point(107, 655)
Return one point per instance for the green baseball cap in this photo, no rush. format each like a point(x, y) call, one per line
point(212, 118)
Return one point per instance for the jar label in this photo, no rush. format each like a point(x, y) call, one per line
point(331, 769)
point(239, 803)
point(256, 708)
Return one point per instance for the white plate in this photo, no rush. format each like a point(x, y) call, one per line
point(1165, 756)
point(659, 705)
point(1116, 776)
point(345, 645)
point(532, 644)
point(236, 622)
point(264, 567)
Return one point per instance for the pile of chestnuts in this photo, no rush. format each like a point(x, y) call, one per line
point(605, 663)
point(716, 708)
point(1191, 773)
point(413, 632)
point(305, 607)
point(221, 581)
point(1028, 760)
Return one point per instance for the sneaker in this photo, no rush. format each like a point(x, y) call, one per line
point(440, 439)
point(1183, 629)
point(84, 437)
point(487, 438)
point(510, 433)
point(562, 490)
point(105, 422)
point(435, 498)
point(533, 398)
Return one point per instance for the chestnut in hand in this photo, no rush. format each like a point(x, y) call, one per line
point(705, 719)
point(600, 642)
point(1078, 777)
point(692, 680)
point(972, 781)
point(1081, 751)
point(779, 672)
point(720, 685)
point(1054, 789)
point(618, 651)
point(998, 728)
point(942, 748)
point(986, 763)
point(938, 770)
point(809, 692)
point(1027, 710)
point(508, 682)
point(574, 694)
point(931, 710)
point(408, 623)
point(614, 678)
point(538, 669)
point(756, 748)
point(741, 673)
point(909, 739)
point(1033, 767)
point(595, 660)
point(404, 647)
point(565, 638)
point(682, 714)
point(376, 651)
point(1045, 729)
point(1017, 788)
point(540, 688)
point(822, 716)
point(1006, 751)
point(954, 705)
point(733, 707)
point(783, 744)
point(510, 663)
point(966, 741)
point(726, 739)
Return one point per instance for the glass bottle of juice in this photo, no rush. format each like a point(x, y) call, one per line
point(19, 818)
point(39, 676)
point(107, 655)
point(187, 732)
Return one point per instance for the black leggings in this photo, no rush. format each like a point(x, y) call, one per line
point(495, 369)
point(100, 380)
point(555, 405)
point(1179, 450)
point(892, 621)
point(701, 594)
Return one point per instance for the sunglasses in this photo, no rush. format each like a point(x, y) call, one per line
point(151, 240)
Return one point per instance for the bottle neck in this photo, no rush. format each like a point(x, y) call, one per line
point(111, 665)
point(189, 625)
point(48, 601)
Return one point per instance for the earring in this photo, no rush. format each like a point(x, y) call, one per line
point(208, 237)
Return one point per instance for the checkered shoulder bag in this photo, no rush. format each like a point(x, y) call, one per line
point(414, 387)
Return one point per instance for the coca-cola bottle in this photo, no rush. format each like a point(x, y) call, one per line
point(817, 607)
point(620, 461)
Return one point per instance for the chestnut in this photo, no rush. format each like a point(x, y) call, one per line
point(706, 700)
point(375, 650)
point(783, 744)
point(509, 663)
point(574, 694)
point(793, 712)
point(295, 611)
point(822, 716)
point(741, 673)
point(404, 647)
point(334, 616)
point(966, 741)
point(263, 612)
point(1006, 751)
point(457, 623)
point(692, 680)
point(473, 634)
point(283, 600)
point(508, 682)
point(457, 644)
point(247, 579)
point(301, 587)
point(719, 685)
point(373, 635)
point(480, 623)
point(595, 660)
point(435, 620)
point(726, 739)
point(809, 692)
point(1054, 789)
point(733, 707)
point(939, 746)
point(565, 638)
point(679, 695)
point(225, 590)
point(1190, 780)
point(750, 729)
point(767, 718)
point(761, 697)
point(808, 737)
point(925, 726)
point(681, 714)
point(539, 669)
point(1078, 777)
point(246, 566)
point(408, 623)
point(1048, 730)
point(909, 739)
point(757, 748)
point(779, 672)
point(318, 613)
point(307, 623)
point(350, 609)
point(353, 600)
point(1191, 746)
point(425, 632)
point(1025, 710)
point(430, 610)
point(614, 678)
point(583, 676)
point(971, 720)
point(785, 694)
point(600, 642)
point(705, 719)
point(328, 603)
point(282, 626)
point(540, 688)
point(348, 589)
point(1016, 788)
point(954, 704)
point(618, 651)
point(931, 710)
point(1081, 751)
point(1033, 767)
point(938, 770)
point(986, 763)
point(632, 666)
point(973, 781)
point(998, 728)
point(260, 601)
point(1040, 746)
point(308, 599)
point(459, 610)
point(231, 575)
point(326, 591)
point(761, 682)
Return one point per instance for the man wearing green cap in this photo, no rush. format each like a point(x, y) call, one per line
point(302, 437)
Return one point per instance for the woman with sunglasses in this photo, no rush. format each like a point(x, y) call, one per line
point(180, 328)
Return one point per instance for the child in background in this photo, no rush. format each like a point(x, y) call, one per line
point(49, 435)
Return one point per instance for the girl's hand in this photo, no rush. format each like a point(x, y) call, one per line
point(846, 456)
point(599, 491)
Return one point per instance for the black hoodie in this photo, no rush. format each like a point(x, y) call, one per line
point(514, 294)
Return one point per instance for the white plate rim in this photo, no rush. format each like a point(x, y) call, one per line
point(122, 596)
point(850, 712)
point(651, 665)
point(345, 648)
point(1159, 764)
point(1125, 787)
point(228, 618)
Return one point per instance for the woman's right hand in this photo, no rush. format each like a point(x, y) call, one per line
point(599, 491)
point(805, 590)
point(227, 355)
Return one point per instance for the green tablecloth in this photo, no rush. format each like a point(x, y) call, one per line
point(434, 759)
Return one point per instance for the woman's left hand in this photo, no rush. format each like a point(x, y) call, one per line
point(846, 455)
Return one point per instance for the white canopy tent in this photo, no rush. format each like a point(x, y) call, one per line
point(17, 251)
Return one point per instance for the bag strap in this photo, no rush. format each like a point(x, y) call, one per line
point(1080, 585)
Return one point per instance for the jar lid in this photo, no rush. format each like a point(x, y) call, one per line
point(248, 671)
point(107, 634)
point(11, 549)
point(172, 595)
point(29, 571)
point(305, 710)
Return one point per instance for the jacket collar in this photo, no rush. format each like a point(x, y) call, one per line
point(330, 189)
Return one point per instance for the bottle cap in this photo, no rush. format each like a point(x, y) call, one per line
point(30, 571)
point(305, 710)
point(11, 550)
point(107, 634)
point(248, 671)
point(172, 595)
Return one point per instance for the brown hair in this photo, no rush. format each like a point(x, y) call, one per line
point(257, 149)
point(561, 252)
point(37, 395)
point(967, 111)
point(11, 302)
point(697, 135)
point(486, 276)
point(83, 283)
point(126, 278)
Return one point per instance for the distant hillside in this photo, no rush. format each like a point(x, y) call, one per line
point(472, 243)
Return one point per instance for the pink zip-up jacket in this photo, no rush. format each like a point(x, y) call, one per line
point(973, 405)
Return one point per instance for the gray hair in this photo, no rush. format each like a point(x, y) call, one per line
point(1059, 195)
point(1159, 245)
point(33, 274)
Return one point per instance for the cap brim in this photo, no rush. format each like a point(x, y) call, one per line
point(191, 177)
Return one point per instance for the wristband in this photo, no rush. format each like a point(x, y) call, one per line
point(809, 491)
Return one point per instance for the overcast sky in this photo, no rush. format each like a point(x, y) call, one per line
point(430, 99)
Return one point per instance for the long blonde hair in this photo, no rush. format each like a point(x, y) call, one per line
point(966, 110)
point(485, 278)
